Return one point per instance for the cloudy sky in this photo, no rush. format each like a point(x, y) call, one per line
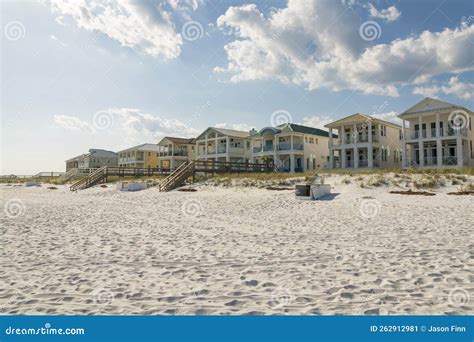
point(100, 74)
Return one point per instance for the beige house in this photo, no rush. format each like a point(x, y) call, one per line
point(293, 148)
point(441, 135)
point(141, 156)
point(94, 159)
point(224, 145)
point(172, 152)
point(364, 142)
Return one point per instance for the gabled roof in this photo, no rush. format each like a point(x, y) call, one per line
point(176, 140)
point(102, 153)
point(359, 117)
point(304, 129)
point(225, 132)
point(143, 147)
point(428, 105)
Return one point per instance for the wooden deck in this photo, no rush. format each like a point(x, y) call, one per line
point(198, 166)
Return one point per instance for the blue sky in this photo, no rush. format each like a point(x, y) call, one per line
point(94, 74)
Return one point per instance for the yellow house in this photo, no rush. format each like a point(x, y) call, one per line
point(144, 156)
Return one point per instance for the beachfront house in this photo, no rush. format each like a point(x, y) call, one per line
point(441, 135)
point(172, 152)
point(95, 158)
point(364, 142)
point(291, 147)
point(142, 156)
point(224, 145)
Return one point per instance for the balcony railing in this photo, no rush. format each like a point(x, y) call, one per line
point(175, 153)
point(446, 132)
point(287, 146)
point(450, 160)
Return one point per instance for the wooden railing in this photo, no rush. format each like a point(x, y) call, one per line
point(211, 166)
point(178, 177)
point(90, 180)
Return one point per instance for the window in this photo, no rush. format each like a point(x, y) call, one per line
point(400, 134)
point(248, 144)
point(383, 130)
point(149, 154)
point(317, 141)
point(314, 163)
point(311, 140)
point(305, 139)
point(307, 163)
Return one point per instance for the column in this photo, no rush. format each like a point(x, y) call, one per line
point(205, 147)
point(459, 152)
point(197, 150)
point(330, 136)
point(370, 149)
point(420, 130)
point(291, 138)
point(369, 133)
point(342, 135)
point(421, 152)
point(355, 134)
point(331, 158)
point(343, 158)
point(227, 145)
point(404, 154)
point(356, 158)
point(292, 162)
point(439, 146)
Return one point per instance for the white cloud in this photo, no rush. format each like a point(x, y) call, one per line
point(389, 14)
point(73, 123)
point(389, 116)
point(453, 86)
point(140, 25)
point(235, 126)
point(317, 121)
point(317, 44)
point(457, 88)
point(132, 125)
point(429, 91)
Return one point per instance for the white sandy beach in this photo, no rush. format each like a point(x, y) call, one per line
point(235, 251)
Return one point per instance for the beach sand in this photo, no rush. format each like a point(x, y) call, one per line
point(235, 251)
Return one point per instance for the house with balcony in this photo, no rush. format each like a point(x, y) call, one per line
point(224, 145)
point(95, 158)
point(291, 147)
point(142, 156)
point(172, 152)
point(441, 135)
point(364, 142)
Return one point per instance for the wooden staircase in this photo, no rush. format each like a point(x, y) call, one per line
point(67, 176)
point(96, 177)
point(177, 177)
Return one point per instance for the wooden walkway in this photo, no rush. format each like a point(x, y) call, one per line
point(174, 178)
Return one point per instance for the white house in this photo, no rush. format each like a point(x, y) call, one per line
point(364, 142)
point(291, 147)
point(441, 135)
point(175, 151)
point(225, 145)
